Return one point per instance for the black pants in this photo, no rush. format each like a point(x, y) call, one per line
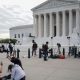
point(23, 78)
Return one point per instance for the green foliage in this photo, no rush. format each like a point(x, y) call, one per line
point(8, 41)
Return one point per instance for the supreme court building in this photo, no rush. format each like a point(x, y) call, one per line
point(58, 19)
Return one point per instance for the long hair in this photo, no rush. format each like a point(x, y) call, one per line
point(10, 67)
point(16, 61)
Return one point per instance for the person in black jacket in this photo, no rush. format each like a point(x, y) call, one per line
point(45, 51)
point(34, 47)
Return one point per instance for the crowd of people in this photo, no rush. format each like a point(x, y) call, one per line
point(15, 70)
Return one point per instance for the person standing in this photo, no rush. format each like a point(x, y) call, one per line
point(34, 47)
point(45, 51)
point(10, 49)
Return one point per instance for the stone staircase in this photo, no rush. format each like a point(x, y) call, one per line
point(74, 40)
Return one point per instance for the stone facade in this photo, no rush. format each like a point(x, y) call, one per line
point(57, 18)
point(21, 33)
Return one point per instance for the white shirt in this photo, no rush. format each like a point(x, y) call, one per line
point(17, 72)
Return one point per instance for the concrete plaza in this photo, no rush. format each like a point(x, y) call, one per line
point(53, 69)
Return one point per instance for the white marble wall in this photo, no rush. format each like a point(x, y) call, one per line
point(24, 31)
point(65, 22)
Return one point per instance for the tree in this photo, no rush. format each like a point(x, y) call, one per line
point(8, 41)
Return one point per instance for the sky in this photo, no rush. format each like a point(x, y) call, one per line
point(14, 13)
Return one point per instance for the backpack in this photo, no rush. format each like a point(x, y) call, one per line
point(35, 46)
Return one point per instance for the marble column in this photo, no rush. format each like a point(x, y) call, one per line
point(77, 19)
point(39, 24)
point(42, 26)
point(35, 28)
point(63, 23)
point(57, 24)
point(51, 25)
point(45, 25)
point(70, 22)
